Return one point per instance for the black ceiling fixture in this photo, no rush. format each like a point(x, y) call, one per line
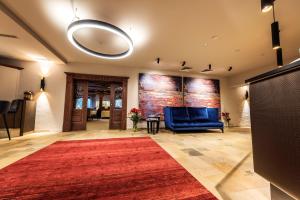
point(209, 69)
point(279, 57)
point(157, 60)
point(185, 68)
point(230, 68)
point(275, 35)
point(267, 5)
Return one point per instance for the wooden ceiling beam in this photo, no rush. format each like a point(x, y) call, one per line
point(11, 63)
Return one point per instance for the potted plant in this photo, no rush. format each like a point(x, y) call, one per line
point(135, 116)
point(226, 117)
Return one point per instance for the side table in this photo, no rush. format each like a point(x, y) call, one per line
point(153, 124)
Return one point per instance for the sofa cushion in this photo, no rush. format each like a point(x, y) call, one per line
point(198, 114)
point(197, 124)
point(180, 114)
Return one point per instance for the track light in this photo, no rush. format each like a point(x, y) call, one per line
point(279, 57)
point(157, 60)
point(266, 5)
point(275, 35)
point(185, 68)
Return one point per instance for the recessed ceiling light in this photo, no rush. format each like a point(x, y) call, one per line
point(214, 37)
point(237, 50)
point(89, 23)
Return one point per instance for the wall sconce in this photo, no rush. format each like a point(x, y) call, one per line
point(246, 95)
point(43, 84)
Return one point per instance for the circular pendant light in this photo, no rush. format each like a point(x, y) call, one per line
point(89, 23)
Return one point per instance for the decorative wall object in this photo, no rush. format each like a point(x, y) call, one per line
point(158, 91)
point(201, 92)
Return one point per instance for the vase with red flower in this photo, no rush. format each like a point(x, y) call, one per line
point(226, 118)
point(135, 116)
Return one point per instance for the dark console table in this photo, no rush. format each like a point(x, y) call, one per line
point(275, 123)
point(21, 116)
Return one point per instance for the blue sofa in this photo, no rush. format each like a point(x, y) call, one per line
point(192, 119)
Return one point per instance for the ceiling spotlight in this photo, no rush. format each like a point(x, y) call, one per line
point(230, 68)
point(209, 69)
point(157, 60)
point(89, 23)
point(185, 68)
point(266, 5)
point(214, 37)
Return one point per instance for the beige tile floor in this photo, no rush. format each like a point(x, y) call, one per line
point(102, 124)
point(221, 162)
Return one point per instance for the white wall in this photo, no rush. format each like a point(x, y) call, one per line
point(237, 106)
point(9, 83)
point(50, 105)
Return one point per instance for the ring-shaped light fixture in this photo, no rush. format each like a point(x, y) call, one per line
point(89, 23)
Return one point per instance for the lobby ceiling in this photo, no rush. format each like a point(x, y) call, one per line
point(221, 32)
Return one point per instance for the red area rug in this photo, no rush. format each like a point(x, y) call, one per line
point(123, 168)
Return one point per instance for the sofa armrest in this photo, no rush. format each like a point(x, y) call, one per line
point(168, 117)
point(213, 114)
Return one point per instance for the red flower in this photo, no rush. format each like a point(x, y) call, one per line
point(226, 116)
point(135, 110)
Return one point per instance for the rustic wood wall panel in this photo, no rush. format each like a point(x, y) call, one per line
point(158, 91)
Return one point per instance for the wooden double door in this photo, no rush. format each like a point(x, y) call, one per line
point(75, 116)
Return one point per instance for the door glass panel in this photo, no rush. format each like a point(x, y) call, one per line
point(78, 96)
point(118, 97)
